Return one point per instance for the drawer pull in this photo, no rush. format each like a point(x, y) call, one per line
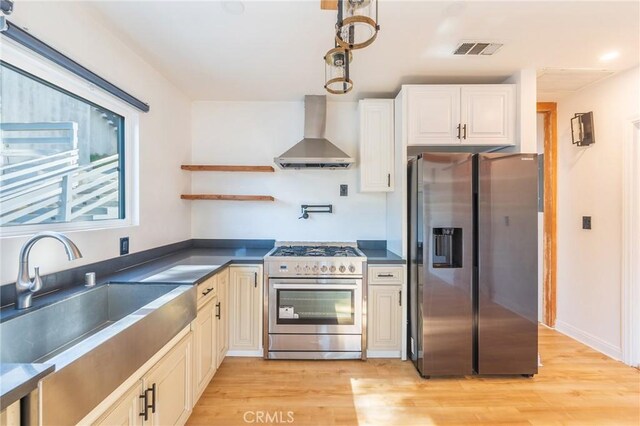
point(386, 275)
point(209, 290)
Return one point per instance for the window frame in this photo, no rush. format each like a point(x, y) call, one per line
point(31, 63)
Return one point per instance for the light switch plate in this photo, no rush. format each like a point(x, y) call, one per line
point(586, 222)
point(344, 190)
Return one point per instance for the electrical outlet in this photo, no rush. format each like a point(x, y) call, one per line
point(586, 222)
point(124, 245)
point(344, 190)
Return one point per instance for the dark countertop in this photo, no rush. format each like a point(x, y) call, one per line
point(18, 380)
point(382, 257)
point(206, 262)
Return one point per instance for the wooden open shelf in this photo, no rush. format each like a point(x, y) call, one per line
point(223, 197)
point(221, 168)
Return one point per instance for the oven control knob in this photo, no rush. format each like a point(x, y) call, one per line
point(307, 269)
point(315, 268)
point(298, 268)
point(342, 268)
point(324, 268)
point(332, 268)
point(352, 269)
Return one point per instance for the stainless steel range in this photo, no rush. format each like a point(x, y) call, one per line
point(315, 301)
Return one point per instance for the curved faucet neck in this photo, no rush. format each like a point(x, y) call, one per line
point(24, 285)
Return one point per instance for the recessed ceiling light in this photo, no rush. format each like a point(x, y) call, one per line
point(609, 56)
point(233, 7)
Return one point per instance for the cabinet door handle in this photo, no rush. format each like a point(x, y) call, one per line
point(218, 310)
point(400, 298)
point(153, 398)
point(459, 131)
point(464, 131)
point(145, 404)
point(145, 397)
point(255, 279)
point(388, 180)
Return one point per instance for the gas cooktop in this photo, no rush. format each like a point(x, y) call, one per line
point(316, 251)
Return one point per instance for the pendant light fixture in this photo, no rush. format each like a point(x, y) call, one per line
point(336, 71)
point(357, 25)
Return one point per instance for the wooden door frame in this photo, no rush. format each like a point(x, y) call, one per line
point(550, 255)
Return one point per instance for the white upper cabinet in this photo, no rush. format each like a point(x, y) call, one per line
point(434, 115)
point(450, 115)
point(488, 114)
point(376, 145)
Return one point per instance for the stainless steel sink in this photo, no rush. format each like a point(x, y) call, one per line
point(96, 339)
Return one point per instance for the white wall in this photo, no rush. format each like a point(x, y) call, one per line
point(164, 137)
point(254, 133)
point(590, 184)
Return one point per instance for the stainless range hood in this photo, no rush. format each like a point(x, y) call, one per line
point(314, 151)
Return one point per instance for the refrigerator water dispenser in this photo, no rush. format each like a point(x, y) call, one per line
point(447, 248)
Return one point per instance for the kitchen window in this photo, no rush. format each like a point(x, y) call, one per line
point(66, 151)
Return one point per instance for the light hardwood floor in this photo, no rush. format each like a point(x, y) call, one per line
point(576, 385)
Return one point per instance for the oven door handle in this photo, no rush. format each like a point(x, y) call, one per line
point(306, 286)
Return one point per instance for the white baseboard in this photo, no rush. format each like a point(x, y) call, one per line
point(589, 340)
point(383, 354)
point(253, 354)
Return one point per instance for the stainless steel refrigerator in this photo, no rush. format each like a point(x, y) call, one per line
point(473, 272)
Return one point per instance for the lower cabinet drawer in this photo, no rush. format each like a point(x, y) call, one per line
point(385, 275)
point(207, 290)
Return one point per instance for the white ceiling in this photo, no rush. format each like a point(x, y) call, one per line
point(274, 50)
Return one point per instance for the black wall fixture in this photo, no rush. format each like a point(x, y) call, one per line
point(22, 37)
point(582, 132)
point(315, 208)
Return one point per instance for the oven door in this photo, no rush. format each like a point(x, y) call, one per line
point(315, 306)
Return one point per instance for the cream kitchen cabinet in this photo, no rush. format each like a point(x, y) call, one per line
point(222, 316)
point(10, 416)
point(205, 334)
point(126, 412)
point(376, 145)
point(384, 317)
point(245, 308)
point(163, 396)
point(205, 340)
point(170, 384)
point(454, 115)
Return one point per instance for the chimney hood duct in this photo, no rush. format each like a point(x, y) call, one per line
point(314, 151)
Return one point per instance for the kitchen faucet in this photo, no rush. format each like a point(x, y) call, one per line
point(25, 287)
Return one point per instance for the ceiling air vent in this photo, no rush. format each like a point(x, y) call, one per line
point(477, 48)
